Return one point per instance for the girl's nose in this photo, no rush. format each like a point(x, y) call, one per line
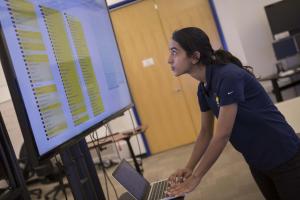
point(170, 59)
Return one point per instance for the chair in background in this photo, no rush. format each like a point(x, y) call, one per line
point(3, 178)
point(45, 173)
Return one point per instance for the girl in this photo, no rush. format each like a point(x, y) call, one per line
point(246, 117)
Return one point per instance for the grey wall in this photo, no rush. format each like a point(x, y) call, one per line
point(248, 36)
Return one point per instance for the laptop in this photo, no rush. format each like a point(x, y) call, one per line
point(138, 186)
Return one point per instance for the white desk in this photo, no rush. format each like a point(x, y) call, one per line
point(291, 111)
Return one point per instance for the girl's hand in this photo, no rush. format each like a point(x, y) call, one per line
point(179, 176)
point(183, 188)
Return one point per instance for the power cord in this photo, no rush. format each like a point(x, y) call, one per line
point(95, 139)
point(105, 169)
point(114, 141)
point(137, 139)
point(92, 136)
point(61, 181)
point(105, 173)
point(104, 138)
point(106, 177)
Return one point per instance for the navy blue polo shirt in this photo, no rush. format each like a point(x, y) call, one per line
point(260, 131)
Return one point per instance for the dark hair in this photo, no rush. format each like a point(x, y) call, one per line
point(193, 39)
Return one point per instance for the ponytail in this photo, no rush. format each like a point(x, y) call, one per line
point(224, 57)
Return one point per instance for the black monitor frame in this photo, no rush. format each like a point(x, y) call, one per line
point(287, 20)
point(16, 183)
point(20, 109)
point(4, 151)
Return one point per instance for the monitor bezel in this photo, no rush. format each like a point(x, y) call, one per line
point(275, 29)
point(20, 108)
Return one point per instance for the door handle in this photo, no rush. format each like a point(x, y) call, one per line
point(177, 89)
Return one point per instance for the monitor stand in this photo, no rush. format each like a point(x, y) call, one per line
point(12, 173)
point(77, 162)
point(81, 172)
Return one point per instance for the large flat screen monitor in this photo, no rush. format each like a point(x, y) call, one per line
point(284, 16)
point(63, 69)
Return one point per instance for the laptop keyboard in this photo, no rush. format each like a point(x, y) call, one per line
point(158, 190)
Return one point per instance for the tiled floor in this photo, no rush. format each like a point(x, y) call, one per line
point(228, 179)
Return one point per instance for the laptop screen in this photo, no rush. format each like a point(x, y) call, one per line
point(131, 180)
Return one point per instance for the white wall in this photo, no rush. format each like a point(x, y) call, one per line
point(124, 123)
point(248, 36)
point(12, 125)
point(247, 33)
point(4, 93)
point(111, 2)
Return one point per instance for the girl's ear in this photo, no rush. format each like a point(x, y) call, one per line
point(195, 57)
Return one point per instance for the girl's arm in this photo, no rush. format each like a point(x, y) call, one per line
point(220, 138)
point(203, 139)
point(217, 144)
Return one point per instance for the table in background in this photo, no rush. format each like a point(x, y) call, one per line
point(274, 78)
point(116, 137)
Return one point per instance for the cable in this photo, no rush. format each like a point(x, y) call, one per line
point(99, 154)
point(100, 160)
point(105, 137)
point(114, 141)
point(107, 129)
point(96, 139)
point(61, 181)
point(136, 136)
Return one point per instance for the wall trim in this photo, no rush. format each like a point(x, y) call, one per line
point(218, 24)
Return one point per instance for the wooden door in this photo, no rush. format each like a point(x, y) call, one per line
point(176, 14)
point(157, 94)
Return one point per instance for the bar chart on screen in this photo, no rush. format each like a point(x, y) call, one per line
point(67, 67)
point(85, 64)
point(36, 60)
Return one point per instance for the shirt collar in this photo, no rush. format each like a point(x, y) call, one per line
point(208, 76)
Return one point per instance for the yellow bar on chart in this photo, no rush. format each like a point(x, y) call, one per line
point(45, 89)
point(86, 65)
point(33, 46)
point(65, 60)
point(56, 130)
point(36, 58)
point(29, 34)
